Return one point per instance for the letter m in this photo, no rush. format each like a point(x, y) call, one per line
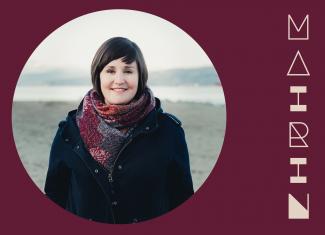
point(295, 32)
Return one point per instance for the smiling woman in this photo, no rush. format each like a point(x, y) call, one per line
point(119, 158)
point(118, 68)
point(119, 82)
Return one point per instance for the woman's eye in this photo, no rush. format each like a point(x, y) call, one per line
point(128, 71)
point(110, 71)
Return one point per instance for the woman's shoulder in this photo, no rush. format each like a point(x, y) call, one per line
point(165, 116)
point(171, 124)
point(171, 118)
point(67, 126)
point(70, 117)
point(67, 131)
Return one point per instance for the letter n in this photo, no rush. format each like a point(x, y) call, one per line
point(296, 30)
point(296, 210)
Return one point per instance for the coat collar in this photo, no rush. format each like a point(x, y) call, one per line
point(70, 130)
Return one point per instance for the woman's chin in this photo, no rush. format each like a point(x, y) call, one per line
point(118, 101)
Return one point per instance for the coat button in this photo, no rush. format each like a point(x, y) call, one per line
point(66, 139)
point(78, 147)
point(110, 178)
point(114, 203)
point(147, 128)
point(119, 167)
point(96, 171)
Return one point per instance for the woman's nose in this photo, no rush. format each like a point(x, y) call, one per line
point(119, 78)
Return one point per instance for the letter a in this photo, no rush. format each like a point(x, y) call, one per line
point(294, 66)
point(297, 30)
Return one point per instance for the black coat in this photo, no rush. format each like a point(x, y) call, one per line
point(151, 175)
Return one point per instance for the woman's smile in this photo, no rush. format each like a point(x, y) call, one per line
point(119, 90)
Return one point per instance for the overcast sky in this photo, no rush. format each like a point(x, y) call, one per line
point(73, 45)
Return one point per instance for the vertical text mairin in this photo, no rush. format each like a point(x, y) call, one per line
point(298, 130)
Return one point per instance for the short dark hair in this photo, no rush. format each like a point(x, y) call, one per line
point(115, 48)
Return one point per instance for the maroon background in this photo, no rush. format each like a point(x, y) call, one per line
point(248, 189)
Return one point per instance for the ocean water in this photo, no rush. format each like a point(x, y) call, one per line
point(198, 94)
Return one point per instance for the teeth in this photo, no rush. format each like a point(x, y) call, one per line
point(119, 89)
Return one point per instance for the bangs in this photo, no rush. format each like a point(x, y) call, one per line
point(125, 51)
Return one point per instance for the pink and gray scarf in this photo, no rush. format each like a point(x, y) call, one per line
point(104, 128)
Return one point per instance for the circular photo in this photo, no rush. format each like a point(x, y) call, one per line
point(119, 116)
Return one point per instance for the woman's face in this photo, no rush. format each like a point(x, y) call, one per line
point(119, 82)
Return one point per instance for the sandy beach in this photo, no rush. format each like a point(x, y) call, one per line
point(35, 124)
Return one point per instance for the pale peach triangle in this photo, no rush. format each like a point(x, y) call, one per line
point(298, 62)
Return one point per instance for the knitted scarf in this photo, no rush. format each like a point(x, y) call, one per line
point(104, 128)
